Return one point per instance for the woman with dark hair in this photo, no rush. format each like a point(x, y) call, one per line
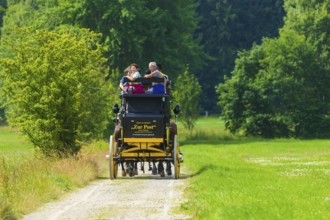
point(136, 88)
point(134, 72)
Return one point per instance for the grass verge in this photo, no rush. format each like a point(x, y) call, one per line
point(247, 178)
point(28, 180)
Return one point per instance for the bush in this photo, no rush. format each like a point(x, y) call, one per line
point(53, 82)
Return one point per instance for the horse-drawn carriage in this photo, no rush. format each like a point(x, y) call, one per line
point(144, 132)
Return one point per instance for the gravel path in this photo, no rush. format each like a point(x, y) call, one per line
point(140, 197)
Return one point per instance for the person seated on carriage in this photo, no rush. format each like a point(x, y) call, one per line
point(136, 88)
point(157, 88)
point(134, 72)
point(123, 85)
point(168, 81)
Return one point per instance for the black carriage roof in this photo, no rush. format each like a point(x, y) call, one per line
point(146, 103)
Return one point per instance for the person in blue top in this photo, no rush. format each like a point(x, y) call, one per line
point(154, 72)
point(168, 81)
point(127, 72)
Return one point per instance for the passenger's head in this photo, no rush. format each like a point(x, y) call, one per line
point(152, 66)
point(134, 67)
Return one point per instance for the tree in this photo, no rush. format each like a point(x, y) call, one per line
point(280, 88)
point(53, 83)
point(3, 6)
point(139, 32)
point(148, 30)
point(227, 27)
point(187, 93)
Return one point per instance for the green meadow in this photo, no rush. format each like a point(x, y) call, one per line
point(250, 178)
point(230, 177)
point(11, 142)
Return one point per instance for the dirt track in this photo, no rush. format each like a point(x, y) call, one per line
point(141, 197)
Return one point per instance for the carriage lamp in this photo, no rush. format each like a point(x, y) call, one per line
point(176, 109)
point(115, 108)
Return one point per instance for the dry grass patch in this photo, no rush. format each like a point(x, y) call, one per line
point(27, 181)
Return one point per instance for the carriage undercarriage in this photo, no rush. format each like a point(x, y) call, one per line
point(132, 156)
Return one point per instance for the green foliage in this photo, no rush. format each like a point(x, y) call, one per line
point(3, 119)
point(203, 34)
point(3, 5)
point(141, 32)
point(280, 88)
point(187, 92)
point(145, 31)
point(53, 81)
point(226, 27)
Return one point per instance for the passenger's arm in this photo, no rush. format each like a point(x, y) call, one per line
point(134, 76)
point(165, 84)
point(121, 86)
point(131, 78)
point(148, 75)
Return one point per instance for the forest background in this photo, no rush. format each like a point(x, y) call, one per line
point(206, 35)
point(264, 64)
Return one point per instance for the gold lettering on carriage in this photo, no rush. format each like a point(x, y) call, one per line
point(143, 127)
point(143, 122)
point(149, 126)
point(137, 127)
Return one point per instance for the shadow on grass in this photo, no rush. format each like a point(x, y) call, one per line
point(198, 172)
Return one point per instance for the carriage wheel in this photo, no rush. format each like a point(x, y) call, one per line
point(112, 163)
point(176, 158)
